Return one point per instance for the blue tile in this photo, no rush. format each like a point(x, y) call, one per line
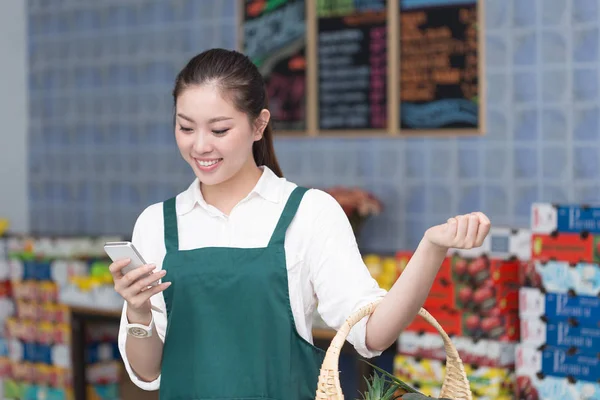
point(524, 87)
point(585, 84)
point(585, 163)
point(415, 228)
point(415, 199)
point(468, 163)
point(442, 164)
point(553, 11)
point(495, 163)
point(496, 51)
point(524, 13)
point(524, 196)
point(496, 13)
point(496, 125)
point(585, 11)
point(554, 85)
point(469, 199)
point(496, 200)
point(497, 88)
point(585, 45)
point(555, 194)
point(554, 47)
point(440, 198)
point(525, 163)
point(588, 194)
point(525, 48)
point(526, 125)
point(389, 163)
point(587, 123)
point(554, 163)
point(415, 163)
point(554, 124)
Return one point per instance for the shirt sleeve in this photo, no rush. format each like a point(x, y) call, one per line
point(341, 280)
point(142, 238)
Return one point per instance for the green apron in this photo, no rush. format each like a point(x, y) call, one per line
point(230, 331)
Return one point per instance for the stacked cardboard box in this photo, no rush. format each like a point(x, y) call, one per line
point(475, 299)
point(559, 354)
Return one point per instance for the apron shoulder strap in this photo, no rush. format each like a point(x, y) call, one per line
point(170, 221)
point(287, 215)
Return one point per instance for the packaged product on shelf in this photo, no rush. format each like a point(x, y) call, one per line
point(485, 382)
point(561, 333)
point(534, 304)
point(560, 363)
point(490, 353)
point(497, 326)
point(562, 277)
point(534, 385)
point(383, 269)
point(484, 271)
point(489, 298)
point(547, 218)
point(502, 243)
point(568, 247)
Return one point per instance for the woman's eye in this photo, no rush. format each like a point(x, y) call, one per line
point(220, 132)
point(184, 129)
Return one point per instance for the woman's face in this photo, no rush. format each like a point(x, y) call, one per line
point(213, 136)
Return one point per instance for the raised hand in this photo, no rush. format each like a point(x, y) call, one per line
point(460, 232)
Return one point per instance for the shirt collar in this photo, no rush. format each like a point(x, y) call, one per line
point(269, 187)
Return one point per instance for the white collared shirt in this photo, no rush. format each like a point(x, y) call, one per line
point(323, 261)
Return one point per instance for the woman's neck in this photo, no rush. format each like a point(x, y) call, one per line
point(228, 194)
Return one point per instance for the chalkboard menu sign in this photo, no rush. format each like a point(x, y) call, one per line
point(439, 65)
point(274, 37)
point(351, 65)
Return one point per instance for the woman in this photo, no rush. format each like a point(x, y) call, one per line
point(244, 257)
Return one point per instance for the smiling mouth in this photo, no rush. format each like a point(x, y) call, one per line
point(208, 163)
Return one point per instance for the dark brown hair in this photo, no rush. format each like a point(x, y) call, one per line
point(239, 79)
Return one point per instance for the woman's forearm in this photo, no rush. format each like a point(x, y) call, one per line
point(144, 354)
point(404, 300)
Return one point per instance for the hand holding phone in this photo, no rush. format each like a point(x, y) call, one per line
point(134, 280)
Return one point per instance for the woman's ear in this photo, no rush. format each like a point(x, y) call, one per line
point(261, 124)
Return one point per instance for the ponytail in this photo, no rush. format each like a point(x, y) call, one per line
point(264, 152)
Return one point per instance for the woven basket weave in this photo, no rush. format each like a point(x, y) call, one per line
point(455, 386)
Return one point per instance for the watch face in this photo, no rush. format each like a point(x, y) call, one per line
point(138, 332)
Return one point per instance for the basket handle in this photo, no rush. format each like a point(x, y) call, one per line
point(455, 386)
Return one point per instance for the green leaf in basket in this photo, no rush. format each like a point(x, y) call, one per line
point(393, 378)
point(379, 388)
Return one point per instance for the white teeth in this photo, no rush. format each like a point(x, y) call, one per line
point(208, 163)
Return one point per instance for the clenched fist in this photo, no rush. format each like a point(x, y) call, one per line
point(461, 232)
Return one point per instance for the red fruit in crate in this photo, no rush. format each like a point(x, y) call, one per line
point(460, 266)
point(472, 322)
point(488, 283)
point(482, 294)
point(465, 294)
point(478, 265)
point(495, 312)
point(489, 323)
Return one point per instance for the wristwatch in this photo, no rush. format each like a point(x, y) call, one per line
point(139, 330)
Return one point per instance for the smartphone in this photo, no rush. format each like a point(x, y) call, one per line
point(121, 250)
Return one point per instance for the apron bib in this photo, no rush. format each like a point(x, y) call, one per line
point(230, 331)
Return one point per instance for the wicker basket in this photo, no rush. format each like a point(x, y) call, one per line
point(455, 386)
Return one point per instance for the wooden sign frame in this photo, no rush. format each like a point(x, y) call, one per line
point(481, 83)
point(393, 83)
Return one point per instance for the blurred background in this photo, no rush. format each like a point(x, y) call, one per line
point(87, 143)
